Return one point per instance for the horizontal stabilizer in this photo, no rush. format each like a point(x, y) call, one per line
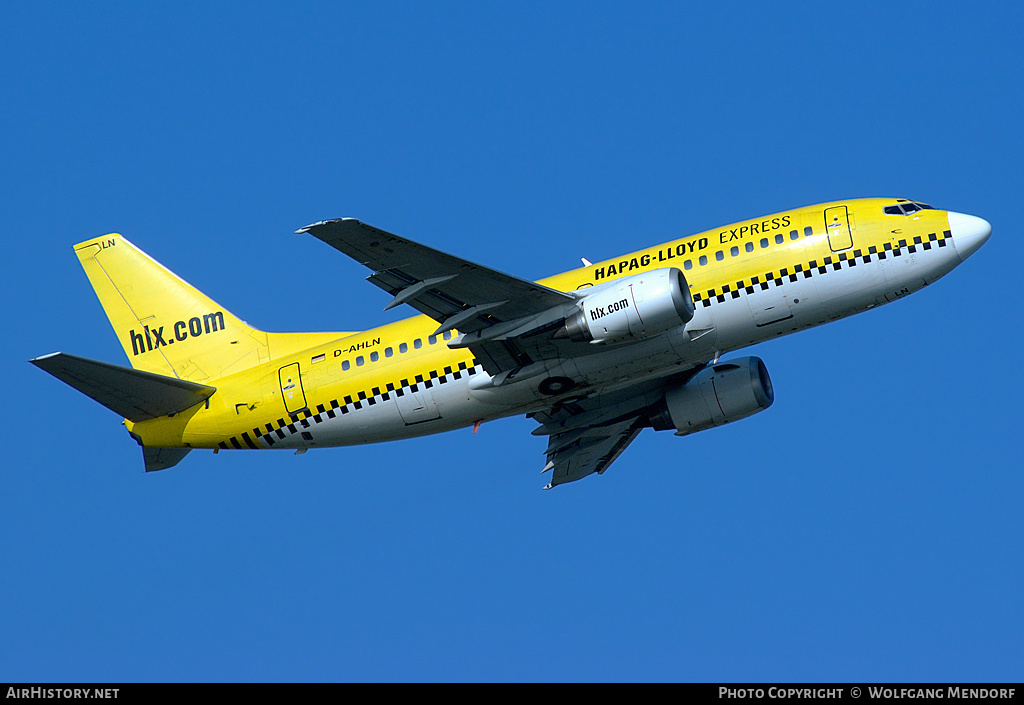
point(163, 458)
point(133, 394)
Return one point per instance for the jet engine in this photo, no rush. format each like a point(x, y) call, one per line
point(717, 395)
point(631, 308)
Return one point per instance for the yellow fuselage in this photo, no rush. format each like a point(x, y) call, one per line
point(275, 403)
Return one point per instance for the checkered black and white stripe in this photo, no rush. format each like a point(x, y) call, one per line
point(297, 423)
point(833, 263)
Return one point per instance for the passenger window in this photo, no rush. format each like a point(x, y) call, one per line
point(687, 264)
point(345, 365)
point(447, 335)
point(360, 361)
point(749, 247)
point(388, 352)
point(432, 339)
point(703, 260)
point(417, 343)
point(808, 231)
point(403, 348)
point(779, 239)
point(764, 242)
point(719, 256)
point(794, 235)
point(374, 356)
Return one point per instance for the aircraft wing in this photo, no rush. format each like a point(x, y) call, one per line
point(500, 318)
point(454, 292)
point(587, 435)
point(589, 451)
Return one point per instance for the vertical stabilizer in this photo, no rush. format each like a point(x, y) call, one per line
point(165, 325)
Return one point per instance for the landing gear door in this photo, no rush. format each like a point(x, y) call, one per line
point(837, 225)
point(291, 388)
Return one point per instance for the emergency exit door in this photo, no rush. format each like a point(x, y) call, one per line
point(291, 388)
point(837, 225)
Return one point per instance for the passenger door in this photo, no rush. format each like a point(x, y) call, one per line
point(291, 388)
point(837, 225)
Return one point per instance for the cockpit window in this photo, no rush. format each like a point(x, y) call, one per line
point(906, 208)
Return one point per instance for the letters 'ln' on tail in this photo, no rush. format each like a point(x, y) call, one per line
point(594, 355)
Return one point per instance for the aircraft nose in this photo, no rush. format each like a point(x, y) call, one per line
point(969, 233)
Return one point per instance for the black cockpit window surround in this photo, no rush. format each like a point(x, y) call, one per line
point(906, 208)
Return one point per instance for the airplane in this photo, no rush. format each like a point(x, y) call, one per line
point(593, 355)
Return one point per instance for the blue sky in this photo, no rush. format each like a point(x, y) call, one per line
point(865, 528)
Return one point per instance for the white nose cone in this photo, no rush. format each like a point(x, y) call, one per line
point(969, 233)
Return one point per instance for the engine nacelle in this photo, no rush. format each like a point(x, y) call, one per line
point(632, 308)
point(717, 395)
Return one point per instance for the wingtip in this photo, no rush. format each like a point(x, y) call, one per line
point(36, 360)
point(306, 229)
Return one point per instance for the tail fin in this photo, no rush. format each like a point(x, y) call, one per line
point(165, 325)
